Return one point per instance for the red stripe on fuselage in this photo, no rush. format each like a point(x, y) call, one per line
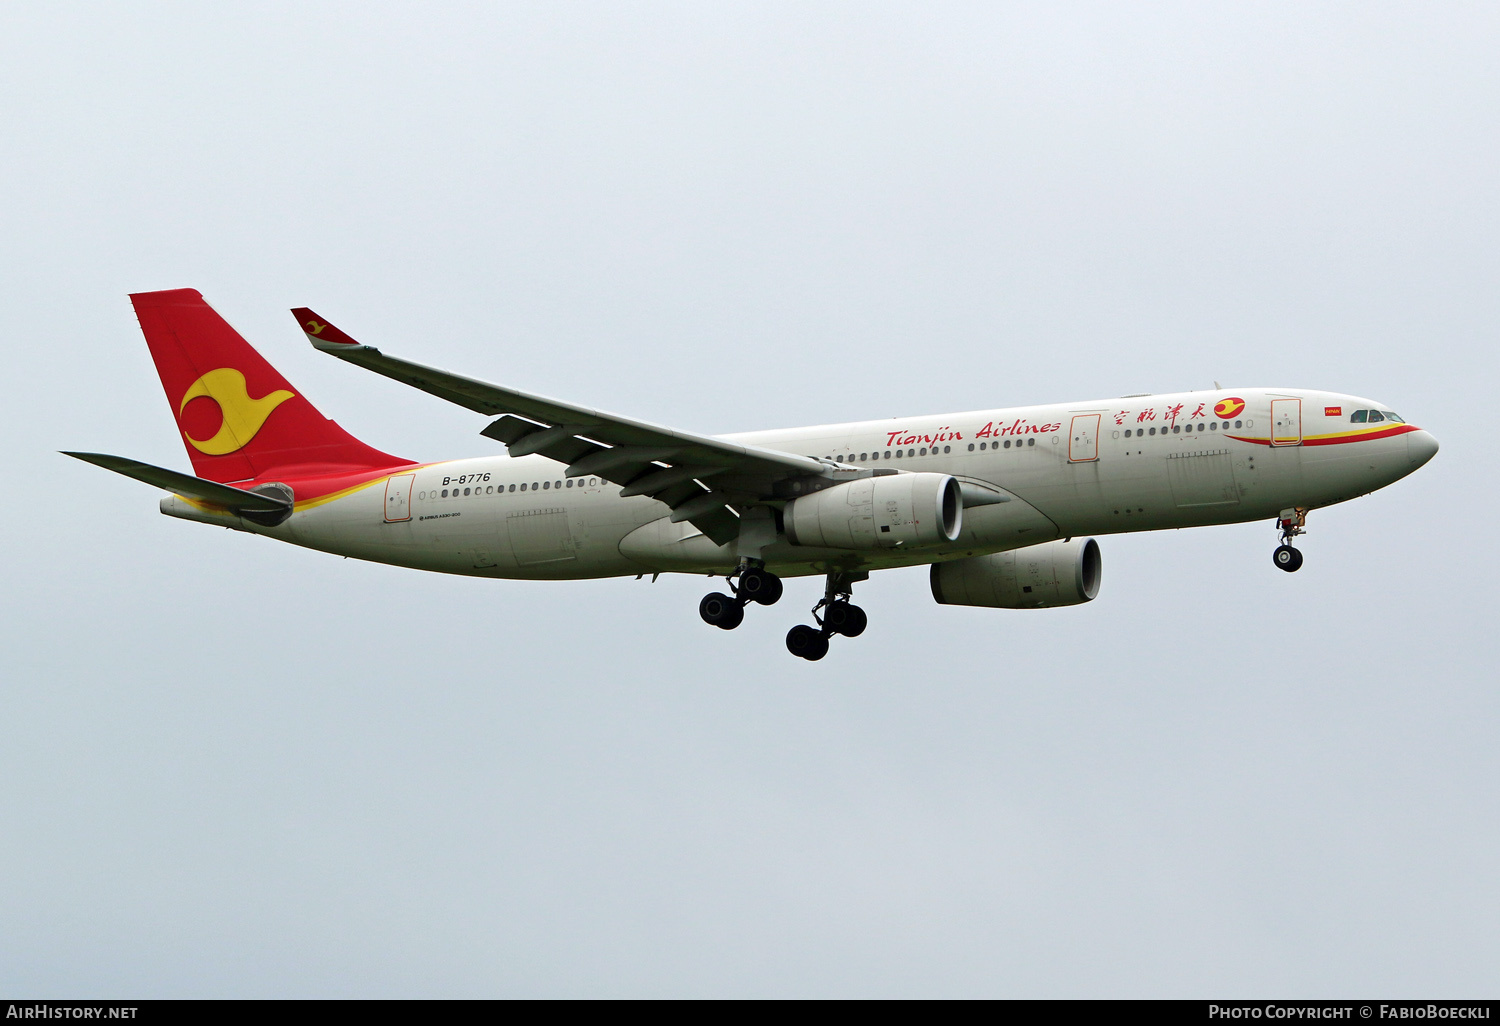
point(1363, 436)
point(1390, 432)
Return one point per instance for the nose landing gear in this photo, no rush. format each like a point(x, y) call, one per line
point(839, 616)
point(756, 584)
point(1292, 523)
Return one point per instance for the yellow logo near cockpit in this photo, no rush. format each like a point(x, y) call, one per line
point(243, 416)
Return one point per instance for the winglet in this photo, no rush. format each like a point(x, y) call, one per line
point(322, 334)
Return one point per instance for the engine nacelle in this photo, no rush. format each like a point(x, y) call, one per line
point(1057, 573)
point(878, 513)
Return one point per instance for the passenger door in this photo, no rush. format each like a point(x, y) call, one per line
point(1286, 421)
point(1083, 442)
point(398, 498)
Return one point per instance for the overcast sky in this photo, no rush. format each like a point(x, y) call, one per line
point(233, 767)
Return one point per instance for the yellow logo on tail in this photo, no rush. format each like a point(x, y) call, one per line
point(243, 416)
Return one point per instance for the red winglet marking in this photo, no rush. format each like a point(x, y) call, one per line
point(320, 330)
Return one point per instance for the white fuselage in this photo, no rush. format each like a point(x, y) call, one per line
point(1063, 470)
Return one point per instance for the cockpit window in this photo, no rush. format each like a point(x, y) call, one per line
point(1376, 416)
point(1391, 416)
point(1359, 416)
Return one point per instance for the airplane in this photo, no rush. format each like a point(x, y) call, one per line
point(1002, 504)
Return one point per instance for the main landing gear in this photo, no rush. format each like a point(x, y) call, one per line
point(840, 616)
point(1292, 523)
point(756, 584)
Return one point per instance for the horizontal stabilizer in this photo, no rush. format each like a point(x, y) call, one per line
point(186, 485)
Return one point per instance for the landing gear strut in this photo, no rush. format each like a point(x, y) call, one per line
point(1292, 523)
point(756, 584)
point(839, 616)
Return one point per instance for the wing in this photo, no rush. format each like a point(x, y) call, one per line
point(704, 480)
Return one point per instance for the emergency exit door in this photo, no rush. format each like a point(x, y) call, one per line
point(1286, 421)
point(1083, 440)
point(398, 498)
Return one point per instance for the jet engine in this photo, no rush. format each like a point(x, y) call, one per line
point(1058, 573)
point(878, 513)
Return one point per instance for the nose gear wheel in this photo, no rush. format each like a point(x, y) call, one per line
point(1292, 522)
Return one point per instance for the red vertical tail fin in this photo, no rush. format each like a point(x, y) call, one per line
point(239, 418)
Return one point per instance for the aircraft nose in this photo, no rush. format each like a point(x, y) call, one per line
point(1420, 447)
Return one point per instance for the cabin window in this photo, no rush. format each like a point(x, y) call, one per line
point(1236, 423)
point(922, 453)
point(971, 446)
point(445, 493)
point(947, 450)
